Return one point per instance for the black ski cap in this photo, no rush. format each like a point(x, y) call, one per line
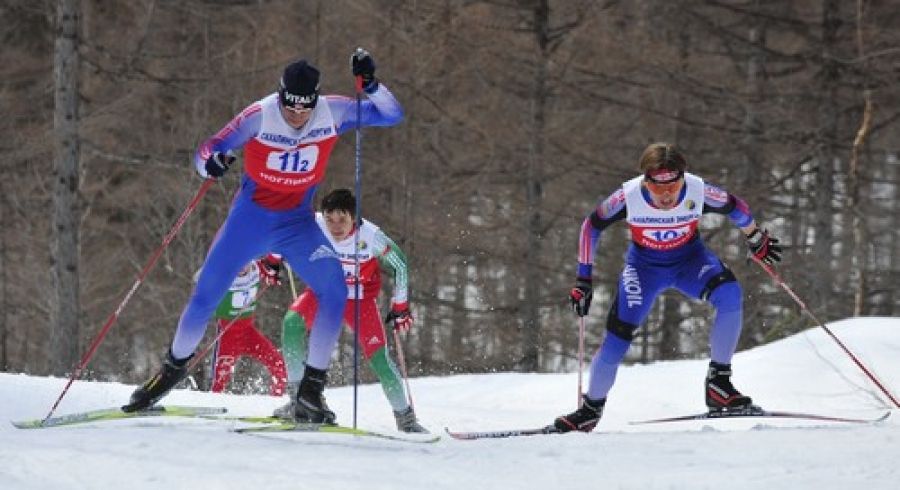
point(299, 85)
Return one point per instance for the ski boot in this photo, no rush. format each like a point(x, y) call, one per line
point(170, 374)
point(721, 395)
point(286, 411)
point(584, 419)
point(310, 406)
point(406, 421)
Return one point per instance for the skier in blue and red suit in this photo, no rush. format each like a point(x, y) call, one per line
point(662, 208)
point(287, 138)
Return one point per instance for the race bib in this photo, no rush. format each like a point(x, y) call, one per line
point(664, 236)
point(296, 161)
point(243, 298)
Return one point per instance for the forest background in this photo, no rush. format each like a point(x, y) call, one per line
point(520, 115)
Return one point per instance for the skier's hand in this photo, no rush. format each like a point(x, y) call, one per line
point(401, 316)
point(362, 65)
point(217, 164)
point(580, 296)
point(270, 270)
point(764, 247)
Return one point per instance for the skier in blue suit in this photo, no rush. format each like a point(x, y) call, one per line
point(662, 208)
point(286, 138)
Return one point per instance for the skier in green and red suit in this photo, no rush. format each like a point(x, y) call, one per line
point(376, 251)
point(236, 312)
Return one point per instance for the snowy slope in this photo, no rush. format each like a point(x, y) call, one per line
point(806, 372)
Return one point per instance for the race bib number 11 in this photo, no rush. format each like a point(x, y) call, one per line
point(296, 161)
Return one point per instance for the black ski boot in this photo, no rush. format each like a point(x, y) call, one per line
point(311, 406)
point(721, 395)
point(286, 411)
point(170, 374)
point(583, 419)
point(407, 422)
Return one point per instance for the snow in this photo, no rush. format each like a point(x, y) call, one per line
point(806, 372)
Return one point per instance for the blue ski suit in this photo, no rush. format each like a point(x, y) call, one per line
point(273, 210)
point(665, 251)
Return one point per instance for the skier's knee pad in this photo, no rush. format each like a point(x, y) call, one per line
point(714, 282)
point(616, 326)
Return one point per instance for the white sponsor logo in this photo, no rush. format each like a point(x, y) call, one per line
point(323, 252)
point(632, 286)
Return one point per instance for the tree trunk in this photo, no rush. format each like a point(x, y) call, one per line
point(750, 174)
point(532, 340)
point(64, 307)
point(858, 245)
point(826, 152)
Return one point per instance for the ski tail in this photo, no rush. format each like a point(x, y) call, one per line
point(116, 413)
point(289, 427)
point(501, 434)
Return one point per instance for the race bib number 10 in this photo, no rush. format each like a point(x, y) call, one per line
point(295, 161)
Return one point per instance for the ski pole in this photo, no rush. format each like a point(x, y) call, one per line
point(580, 358)
point(291, 279)
point(831, 334)
point(402, 359)
point(358, 186)
point(199, 357)
point(137, 283)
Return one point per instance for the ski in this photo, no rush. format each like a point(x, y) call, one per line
point(117, 414)
point(755, 411)
point(501, 434)
point(250, 419)
point(285, 427)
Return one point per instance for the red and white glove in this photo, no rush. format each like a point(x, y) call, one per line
point(270, 270)
point(401, 316)
point(580, 296)
point(764, 247)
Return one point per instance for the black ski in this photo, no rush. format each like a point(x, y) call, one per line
point(501, 434)
point(755, 411)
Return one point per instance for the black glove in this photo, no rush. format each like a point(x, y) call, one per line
point(764, 247)
point(363, 65)
point(217, 164)
point(580, 296)
point(270, 270)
